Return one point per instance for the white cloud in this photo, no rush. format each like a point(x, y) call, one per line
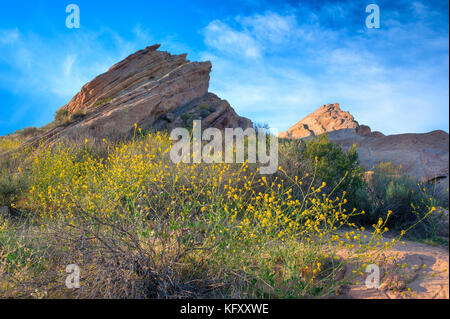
point(142, 33)
point(68, 64)
point(221, 37)
point(9, 36)
point(270, 27)
point(254, 35)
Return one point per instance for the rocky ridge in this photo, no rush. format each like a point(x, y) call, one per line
point(425, 156)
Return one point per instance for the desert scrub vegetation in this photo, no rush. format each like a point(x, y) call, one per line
point(64, 117)
point(140, 226)
point(103, 101)
point(8, 143)
point(408, 199)
point(13, 181)
point(384, 188)
point(337, 168)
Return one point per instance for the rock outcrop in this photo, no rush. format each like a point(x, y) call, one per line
point(425, 156)
point(325, 119)
point(155, 90)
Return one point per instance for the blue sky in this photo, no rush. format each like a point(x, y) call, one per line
point(275, 62)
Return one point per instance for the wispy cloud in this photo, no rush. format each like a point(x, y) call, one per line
point(9, 36)
point(222, 37)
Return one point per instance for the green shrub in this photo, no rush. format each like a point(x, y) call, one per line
point(11, 187)
point(102, 101)
point(65, 117)
point(187, 120)
point(204, 106)
point(23, 258)
point(8, 143)
point(204, 113)
point(326, 162)
point(61, 115)
point(27, 131)
point(13, 175)
point(408, 199)
point(79, 114)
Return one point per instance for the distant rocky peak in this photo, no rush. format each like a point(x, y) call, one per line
point(425, 156)
point(334, 106)
point(327, 118)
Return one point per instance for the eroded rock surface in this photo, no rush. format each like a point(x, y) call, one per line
point(155, 90)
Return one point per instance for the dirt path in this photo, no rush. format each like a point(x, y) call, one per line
point(427, 275)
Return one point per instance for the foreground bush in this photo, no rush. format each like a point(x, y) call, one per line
point(141, 227)
point(13, 182)
point(408, 199)
point(9, 143)
point(327, 162)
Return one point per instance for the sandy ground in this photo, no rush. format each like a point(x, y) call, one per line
point(426, 276)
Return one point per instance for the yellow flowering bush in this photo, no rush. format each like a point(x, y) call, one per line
point(143, 226)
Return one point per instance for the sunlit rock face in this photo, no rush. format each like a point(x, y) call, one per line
point(326, 118)
point(150, 88)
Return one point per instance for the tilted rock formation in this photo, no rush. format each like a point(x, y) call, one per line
point(425, 156)
point(155, 90)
